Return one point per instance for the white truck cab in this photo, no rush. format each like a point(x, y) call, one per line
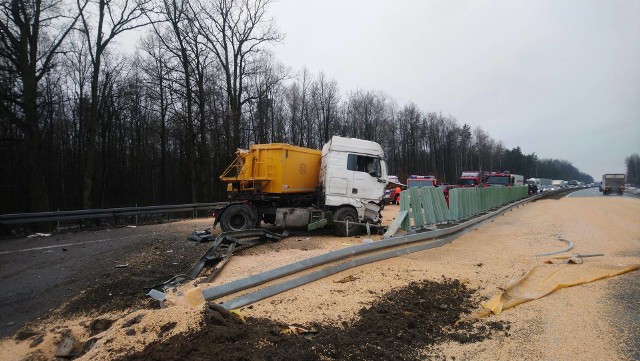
point(353, 173)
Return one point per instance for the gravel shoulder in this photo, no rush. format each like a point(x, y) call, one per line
point(592, 321)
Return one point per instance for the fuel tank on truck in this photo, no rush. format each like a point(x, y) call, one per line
point(274, 168)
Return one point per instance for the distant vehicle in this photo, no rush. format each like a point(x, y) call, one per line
point(534, 185)
point(394, 187)
point(421, 181)
point(503, 179)
point(471, 179)
point(573, 183)
point(559, 183)
point(518, 180)
point(543, 184)
point(612, 182)
point(387, 197)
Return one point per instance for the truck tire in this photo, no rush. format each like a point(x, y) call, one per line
point(346, 214)
point(236, 218)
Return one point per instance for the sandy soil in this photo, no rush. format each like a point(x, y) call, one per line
point(584, 322)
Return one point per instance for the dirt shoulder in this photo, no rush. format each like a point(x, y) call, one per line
point(595, 320)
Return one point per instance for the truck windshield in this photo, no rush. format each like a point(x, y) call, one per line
point(466, 182)
point(420, 182)
point(498, 180)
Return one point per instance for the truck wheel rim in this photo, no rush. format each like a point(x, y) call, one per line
point(237, 221)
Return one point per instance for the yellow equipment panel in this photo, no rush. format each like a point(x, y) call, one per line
point(275, 168)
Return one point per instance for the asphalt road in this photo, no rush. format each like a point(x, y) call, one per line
point(38, 274)
point(626, 289)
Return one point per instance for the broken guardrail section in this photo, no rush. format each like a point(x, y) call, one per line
point(219, 253)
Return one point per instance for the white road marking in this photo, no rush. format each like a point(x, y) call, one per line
point(65, 245)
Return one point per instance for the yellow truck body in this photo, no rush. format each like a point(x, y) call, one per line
point(275, 168)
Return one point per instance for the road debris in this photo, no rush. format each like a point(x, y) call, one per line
point(544, 279)
point(297, 330)
point(67, 348)
point(39, 235)
point(566, 249)
point(220, 252)
point(157, 295)
point(201, 236)
point(349, 278)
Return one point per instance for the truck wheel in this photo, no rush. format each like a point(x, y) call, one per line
point(346, 214)
point(236, 218)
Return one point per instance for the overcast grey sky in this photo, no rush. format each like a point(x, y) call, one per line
point(559, 78)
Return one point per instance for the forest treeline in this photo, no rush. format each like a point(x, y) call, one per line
point(86, 125)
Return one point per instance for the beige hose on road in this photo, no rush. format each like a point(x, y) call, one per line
point(544, 279)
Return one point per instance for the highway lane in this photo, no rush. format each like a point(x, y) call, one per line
point(38, 274)
point(625, 289)
point(595, 192)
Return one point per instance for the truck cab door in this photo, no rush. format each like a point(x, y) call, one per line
point(369, 177)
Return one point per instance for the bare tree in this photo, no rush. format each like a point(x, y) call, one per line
point(633, 169)
point(176, 14)
point(265, 84)
point(297, 99)
point(31, 35)
point(111, 18)
point(324, 95)
point(156, 70)
point(366, 112)
point(235, 31)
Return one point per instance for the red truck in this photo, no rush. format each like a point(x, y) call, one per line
point(503, 179)
point(429, 181)
point(394, 187)
point(425, 181)
point(472, 179)
point(421, 181)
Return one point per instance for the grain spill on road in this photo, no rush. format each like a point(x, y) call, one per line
point(569, 323)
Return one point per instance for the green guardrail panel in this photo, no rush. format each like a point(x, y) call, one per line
point(395, 224)
point(428, 206)
point(416, 207)
point(454, 204)
point(317, 224)
point(405, 206)
point(439, 205)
